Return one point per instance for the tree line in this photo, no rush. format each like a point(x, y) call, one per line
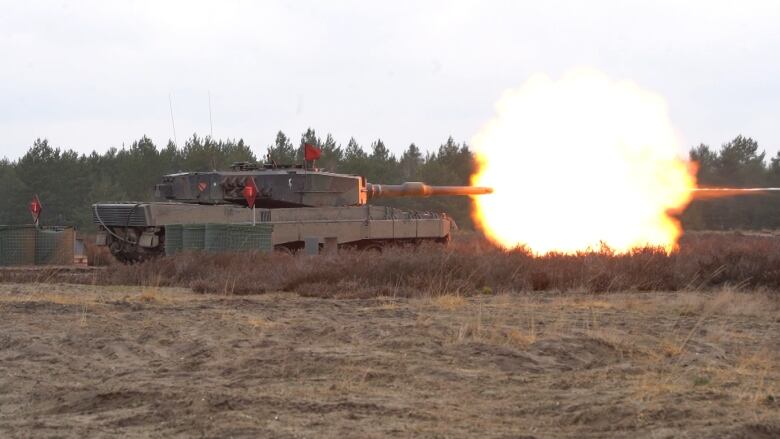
point(739, 163)
point(68, 182)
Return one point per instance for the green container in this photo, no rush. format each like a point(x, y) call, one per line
point(18, 245)
point(174, 239)
point(193, 237)
point(54, 246)
point(2, 242)
point(217, 238)
point(246, 237)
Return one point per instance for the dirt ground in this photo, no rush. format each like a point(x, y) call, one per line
point(96, 361)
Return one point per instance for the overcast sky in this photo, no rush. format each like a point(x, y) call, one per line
point(95, 74)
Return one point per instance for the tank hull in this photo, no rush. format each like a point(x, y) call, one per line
point(136, 231)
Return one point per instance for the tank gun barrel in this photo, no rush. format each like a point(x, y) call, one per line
point(418, 189)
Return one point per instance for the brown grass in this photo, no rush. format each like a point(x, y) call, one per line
point(688, 363)
point(97, 256)
point(471, 267)
point(449, 302)
point(149, 295)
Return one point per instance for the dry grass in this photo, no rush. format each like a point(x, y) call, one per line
point(260, 323)
point(472, 267)
point(469, 267)
point(149, 295)
point(449, 302)
point(546, 364)
point(97, 256)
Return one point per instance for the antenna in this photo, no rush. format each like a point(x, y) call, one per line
point(170, 104)
point(211, 124)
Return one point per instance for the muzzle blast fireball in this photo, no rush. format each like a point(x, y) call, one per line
point(584, 162)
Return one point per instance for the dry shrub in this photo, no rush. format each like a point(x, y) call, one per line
point(468, 267)
point(725, 301)
point(449, 302)
point(97, 255)
point(149, 295)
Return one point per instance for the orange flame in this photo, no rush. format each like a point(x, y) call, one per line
point(580, 163)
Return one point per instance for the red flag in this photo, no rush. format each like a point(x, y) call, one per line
point(250, 191)
point(311, 152)
point(35, 208)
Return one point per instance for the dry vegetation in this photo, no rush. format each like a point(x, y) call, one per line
point(463, 342)
point(144, 361)
point(470, 266)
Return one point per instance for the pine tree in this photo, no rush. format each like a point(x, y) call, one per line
point(410, 163)
point(332, 154)
point(282, 151)
point(382, 165)
point(355, 159)
point(739, 162)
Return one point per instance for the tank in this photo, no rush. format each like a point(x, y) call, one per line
point(295, 203)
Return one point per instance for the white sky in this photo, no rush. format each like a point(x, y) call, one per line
point(94, 74)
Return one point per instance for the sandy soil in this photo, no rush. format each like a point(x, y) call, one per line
point(98, 361)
